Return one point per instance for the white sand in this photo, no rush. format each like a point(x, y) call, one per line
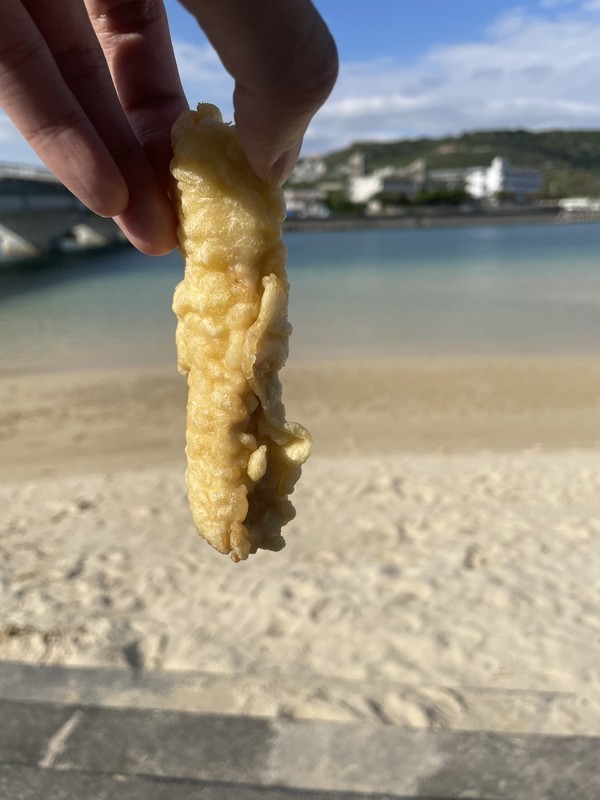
point(410, 581)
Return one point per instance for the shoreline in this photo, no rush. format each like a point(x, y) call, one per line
point(424, 220)
point(61, 423)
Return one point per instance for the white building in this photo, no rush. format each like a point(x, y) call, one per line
point(362, 188)
point(306, 203)
point(502, 179)
point(407, 181)
point(308, 170)
point(454, 178)
point(575, 204)
point(579, 209)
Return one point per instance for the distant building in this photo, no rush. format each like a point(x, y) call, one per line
point(356, 165)
point(306, 203)
point(453, 178)
point(502, 179)
point(308, 170)
point(579, 204)
point(333, 185)
point(362, 188)
point(406, 180)
point(579, 209)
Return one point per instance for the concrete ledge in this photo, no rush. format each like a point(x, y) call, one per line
point(470, 708)
point(68, 742)
point(31, 783)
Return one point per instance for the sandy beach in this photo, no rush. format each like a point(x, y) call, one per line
point(446, 542)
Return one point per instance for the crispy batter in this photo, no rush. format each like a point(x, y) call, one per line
point(232, 339)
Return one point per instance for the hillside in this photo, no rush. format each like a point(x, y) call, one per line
point(569, 160)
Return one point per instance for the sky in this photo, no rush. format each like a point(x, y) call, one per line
point(426, 68)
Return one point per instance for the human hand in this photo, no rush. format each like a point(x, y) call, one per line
point(95, 91)
point(284, 62)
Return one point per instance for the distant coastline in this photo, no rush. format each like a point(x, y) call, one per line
point(430, 218)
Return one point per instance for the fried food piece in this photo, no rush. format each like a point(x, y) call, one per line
point(232, 339)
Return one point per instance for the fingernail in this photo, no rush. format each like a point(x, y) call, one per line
point(278, 170)
point(284, 166)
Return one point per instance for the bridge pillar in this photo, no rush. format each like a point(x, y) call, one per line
point(14, 246)
point(37, 213)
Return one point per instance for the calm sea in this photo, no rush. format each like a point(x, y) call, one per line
point(533, 289)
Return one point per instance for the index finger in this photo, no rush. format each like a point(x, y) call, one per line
point(284, 61)
point(34, 94)
point(134, 35)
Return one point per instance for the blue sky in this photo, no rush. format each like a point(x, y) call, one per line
point(432, 67)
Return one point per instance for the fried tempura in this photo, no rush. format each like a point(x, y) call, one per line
point(232, 339)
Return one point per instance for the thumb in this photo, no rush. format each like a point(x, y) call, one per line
point(284, 62)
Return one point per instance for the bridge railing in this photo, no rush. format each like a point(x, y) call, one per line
point(38, 213)
point(17, 203)
point(26, 172)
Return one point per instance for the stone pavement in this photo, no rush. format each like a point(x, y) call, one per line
point(75, 751)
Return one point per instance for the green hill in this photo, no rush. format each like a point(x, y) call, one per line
point(569, 160)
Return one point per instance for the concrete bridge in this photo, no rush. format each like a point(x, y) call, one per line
point(38, 214)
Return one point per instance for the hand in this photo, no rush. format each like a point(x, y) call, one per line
point(94, 88)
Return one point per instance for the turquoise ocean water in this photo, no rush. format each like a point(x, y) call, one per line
point(492, 290)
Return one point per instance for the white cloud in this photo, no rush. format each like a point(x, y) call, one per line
point(198, 65)
point(203, 76)
point(557, 3)
point(528, 71)
point(533, 71)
